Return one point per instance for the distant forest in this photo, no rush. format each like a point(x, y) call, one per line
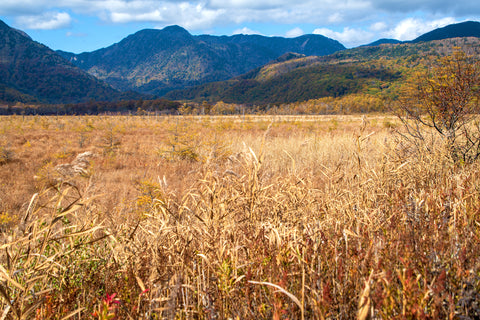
point(161, 106)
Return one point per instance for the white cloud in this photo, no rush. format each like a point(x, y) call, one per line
point(295, 32)
point(196, 12)
point(245, 30)
point(188, 15)
point(442, 7)
point(76, 34)
point(348, 37)
point(378, 26)
point(125, 17)
point(410, 28)
point(251, 4)
point(45, 21)
point(352, 15)
point(336, 17)
point(22, 7)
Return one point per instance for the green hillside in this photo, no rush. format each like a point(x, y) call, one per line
point(376, 70)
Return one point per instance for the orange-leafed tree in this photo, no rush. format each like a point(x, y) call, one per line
point(446, 98)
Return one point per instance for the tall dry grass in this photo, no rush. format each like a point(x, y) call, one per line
point(234, 218)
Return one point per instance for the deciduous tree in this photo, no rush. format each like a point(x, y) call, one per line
point(446, 99)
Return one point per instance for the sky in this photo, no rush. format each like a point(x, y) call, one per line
point(87, 25)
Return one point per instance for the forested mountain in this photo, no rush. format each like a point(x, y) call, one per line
point(374, 70)
point(255, 69)
point(377, 69)
point(383, 41)
point(157, 61)
point(31, 72)
point(458, 30)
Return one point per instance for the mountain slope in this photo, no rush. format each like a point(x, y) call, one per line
point(297, 85)
point(458, 30)
point(31, 72)
point(382, 41)
point(376, 70)
point(156, 61)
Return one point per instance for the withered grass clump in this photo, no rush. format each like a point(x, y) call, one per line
point(271, 219)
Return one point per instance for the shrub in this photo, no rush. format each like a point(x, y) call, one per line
point(445, 98)
point(6, 155)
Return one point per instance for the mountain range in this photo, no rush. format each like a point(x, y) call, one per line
point(241, 68)
point(157, 61)
point(378, 68)
point(375, 70)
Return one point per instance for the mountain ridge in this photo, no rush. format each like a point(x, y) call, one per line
point(175, 59)
point(156, 61)
point(32, 72)
point(375, 70)
point(456, 30)
point(382, 41)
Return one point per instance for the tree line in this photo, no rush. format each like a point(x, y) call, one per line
point(161, 106)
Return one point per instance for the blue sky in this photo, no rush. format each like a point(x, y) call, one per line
point(87, 25)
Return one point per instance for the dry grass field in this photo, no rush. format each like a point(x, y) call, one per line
point(123, 217)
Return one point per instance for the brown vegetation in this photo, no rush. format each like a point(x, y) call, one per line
point(446, 98)
point(233, 218)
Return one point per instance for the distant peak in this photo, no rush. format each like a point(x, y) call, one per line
point(468, 23)
point(175, 29)
point(462, 29)
point(3, 25)
point(382, 41)
point(6, 27)
point(176, 32)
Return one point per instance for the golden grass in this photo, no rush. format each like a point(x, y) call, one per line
point(233, 218)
